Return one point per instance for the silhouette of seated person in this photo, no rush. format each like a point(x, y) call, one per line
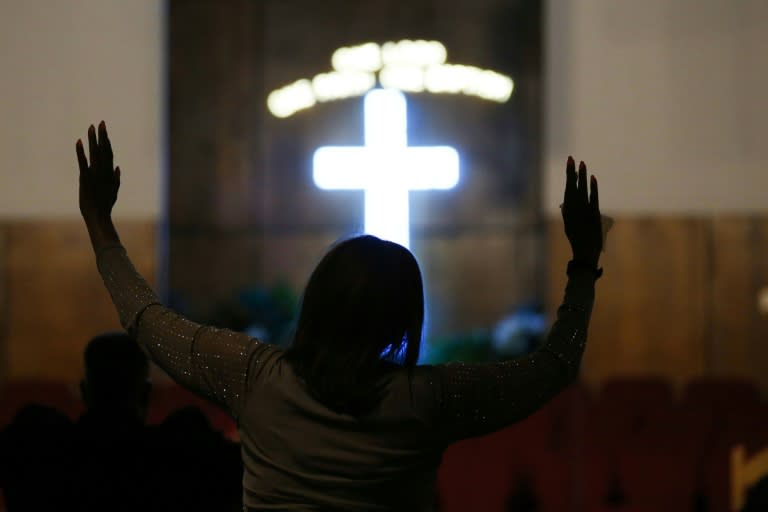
point(116, 386)
point(113, 450)
point(181, 464)
point(104, 458)
point(201, 469)
point(757, 497)
point(34, 446)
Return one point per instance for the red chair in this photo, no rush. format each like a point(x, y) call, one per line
point(552, 475)
point(727, 411)
point(567, 420)
point(631, 415)
point(721, 393)
point(661, 481)
point(475, 475)
point(629, 411)
point(622, 508)
point(598, 483)
point(645, 392)
point(747, 429)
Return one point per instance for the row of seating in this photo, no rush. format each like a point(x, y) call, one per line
point(66, 398)
point(635, 444)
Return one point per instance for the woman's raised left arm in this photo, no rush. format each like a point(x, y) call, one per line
point(214, 363)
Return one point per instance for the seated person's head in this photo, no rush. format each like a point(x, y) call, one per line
point(757, 496)
point(116, 376)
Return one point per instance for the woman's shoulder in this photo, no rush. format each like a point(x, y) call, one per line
point(263, 359)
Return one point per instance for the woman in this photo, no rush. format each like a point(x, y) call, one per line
point(345, 419)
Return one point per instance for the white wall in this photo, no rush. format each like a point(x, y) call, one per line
point(63, 66)
point(666, 101)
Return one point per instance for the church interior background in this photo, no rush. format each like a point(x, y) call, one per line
point(246, 220)
point(220, 210)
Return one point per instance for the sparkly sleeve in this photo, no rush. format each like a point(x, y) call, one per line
point(475, 399)
point(210, 362)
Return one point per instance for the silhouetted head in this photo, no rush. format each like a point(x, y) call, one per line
point(116, 376)
point(757, 496)
point(362, 310)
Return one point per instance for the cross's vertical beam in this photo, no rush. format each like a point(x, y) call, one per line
point(385, 119)
point(387, 214)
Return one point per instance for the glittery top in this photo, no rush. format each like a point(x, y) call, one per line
point(300, 455)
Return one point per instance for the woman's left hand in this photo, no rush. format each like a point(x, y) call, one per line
point(99, 181)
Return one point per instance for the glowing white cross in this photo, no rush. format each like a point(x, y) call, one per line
point(386, 168)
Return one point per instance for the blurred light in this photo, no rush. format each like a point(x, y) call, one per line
point(470, 80)
point(411, 66)
point(291, 98)
point(413, 53)
point(403, 78)
point(762, 301)
point(338, 85)
point(364, 57)
point(386, 168)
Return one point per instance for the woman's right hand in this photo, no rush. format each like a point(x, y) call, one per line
point(581, 215)
point(99, 183)
point(99, 179)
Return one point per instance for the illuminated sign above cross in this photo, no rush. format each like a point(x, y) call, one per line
point(386, 168)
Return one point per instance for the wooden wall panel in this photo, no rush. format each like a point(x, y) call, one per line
point(650, 311)
point(678, 298)
point(739, 272)
point(4, 306)
point(55, 298)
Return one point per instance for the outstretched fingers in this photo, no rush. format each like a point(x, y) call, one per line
point(105, 147)
point(93, 147)
point(81, 160)
point(570, 180)
point(594, 198)
point(583, 195)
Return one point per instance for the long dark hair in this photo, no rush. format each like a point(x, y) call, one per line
point(362, 312)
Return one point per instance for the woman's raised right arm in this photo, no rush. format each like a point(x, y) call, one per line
point(467, 400)
point(473, 399)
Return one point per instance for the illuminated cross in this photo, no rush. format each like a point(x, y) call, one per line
point(386, 168)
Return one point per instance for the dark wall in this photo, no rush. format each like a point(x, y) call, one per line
point(243, 209)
